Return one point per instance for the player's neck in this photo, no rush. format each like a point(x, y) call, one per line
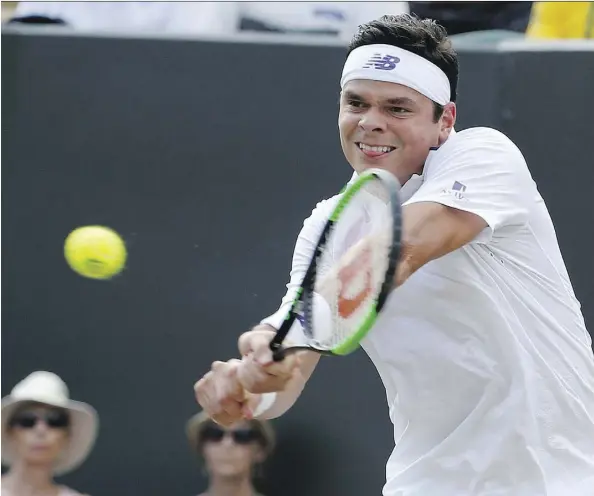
point(25, 480)
point(230, 487)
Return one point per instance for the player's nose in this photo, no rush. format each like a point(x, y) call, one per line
point(372, 121)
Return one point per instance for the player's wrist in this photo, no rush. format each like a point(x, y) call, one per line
point(264, 327)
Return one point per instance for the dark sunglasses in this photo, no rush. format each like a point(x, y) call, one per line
point(240, 436)
point(27, 420)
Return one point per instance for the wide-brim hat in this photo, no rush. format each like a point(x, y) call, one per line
point(49, 389)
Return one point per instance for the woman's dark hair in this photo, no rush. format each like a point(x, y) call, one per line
point(423, 37)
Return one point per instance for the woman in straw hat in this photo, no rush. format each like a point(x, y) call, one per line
point(44, 434)
point(232, 456)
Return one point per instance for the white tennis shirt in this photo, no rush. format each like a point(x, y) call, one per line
point(484, 354)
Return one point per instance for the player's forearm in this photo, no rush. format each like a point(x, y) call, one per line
point(285, 399)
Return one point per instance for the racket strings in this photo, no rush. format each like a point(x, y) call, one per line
point(350, 269)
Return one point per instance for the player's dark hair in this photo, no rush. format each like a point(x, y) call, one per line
point(423, 37)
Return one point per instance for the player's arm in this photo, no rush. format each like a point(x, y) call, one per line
point(287, 379)
point(281, 383)
point(477, 186)
point(432, 230)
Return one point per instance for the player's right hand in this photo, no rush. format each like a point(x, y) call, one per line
point(222, 396)
point(259, 373)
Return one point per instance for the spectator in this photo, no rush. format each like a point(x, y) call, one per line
point(44, 434)
point(560, 20)
point(158, 17)
point(8, 9)
point(335, 19)
point(467, 17)
point(232, 456)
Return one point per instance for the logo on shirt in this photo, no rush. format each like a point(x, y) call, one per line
point(383, 63)
point(457, 191)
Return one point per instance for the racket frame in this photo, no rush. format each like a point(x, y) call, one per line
point(303, 299)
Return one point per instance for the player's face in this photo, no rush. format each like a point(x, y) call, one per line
point(389, 126)
point(39, 435)
point(230, 456)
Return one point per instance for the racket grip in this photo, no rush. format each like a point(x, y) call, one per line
point(278, 352)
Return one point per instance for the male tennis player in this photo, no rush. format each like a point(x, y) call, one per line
point(482, 348)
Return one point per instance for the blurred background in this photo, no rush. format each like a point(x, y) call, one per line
point(192, 129)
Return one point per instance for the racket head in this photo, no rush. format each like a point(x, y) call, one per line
point(336, 304)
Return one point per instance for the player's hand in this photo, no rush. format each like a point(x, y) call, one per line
point(222, 396)
point(258, 372)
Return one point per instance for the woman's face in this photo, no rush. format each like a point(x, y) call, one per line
point(39, 434)
point(231, 453)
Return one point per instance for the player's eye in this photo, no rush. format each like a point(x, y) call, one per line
point(399, 110)
point(356, 104)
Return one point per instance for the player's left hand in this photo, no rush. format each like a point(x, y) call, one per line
point(258, 373)
point(222, 396)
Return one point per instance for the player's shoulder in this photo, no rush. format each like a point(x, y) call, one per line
point(478, 150)
point(479, 138)
point(478, 146)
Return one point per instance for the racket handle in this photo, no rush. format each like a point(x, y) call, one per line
point(278, 352)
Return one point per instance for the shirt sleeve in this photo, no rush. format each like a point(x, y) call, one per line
point(304, 249)
point(480, 171)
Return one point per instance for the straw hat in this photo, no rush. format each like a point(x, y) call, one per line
point(47, 388)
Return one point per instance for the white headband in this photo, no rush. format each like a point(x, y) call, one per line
point(395, 65)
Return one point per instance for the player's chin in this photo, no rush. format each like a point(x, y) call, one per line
point(363, 165)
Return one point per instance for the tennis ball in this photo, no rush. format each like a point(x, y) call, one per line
point(95, 251)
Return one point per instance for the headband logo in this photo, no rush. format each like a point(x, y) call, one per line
point(385, 63)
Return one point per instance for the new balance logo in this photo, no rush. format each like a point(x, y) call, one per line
point(383, 63)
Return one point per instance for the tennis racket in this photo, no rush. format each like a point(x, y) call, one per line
point(349, 278)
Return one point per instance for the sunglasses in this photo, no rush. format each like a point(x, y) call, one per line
point(239, 436)
point(54, 419)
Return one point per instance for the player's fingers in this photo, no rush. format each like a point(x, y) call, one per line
point(251, 372)
point(285, 367)
point(225, 419)
point(219, 366)
point(229, 387)
point(206, 395)
point(251, 341)
point(256, 379)
point(250, 405)
point(232, 408)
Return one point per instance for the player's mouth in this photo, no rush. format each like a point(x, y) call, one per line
point(374, 151)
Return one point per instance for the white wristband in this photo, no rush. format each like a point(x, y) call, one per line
point(266, 401)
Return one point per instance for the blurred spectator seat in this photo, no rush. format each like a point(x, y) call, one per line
point(484, 38)
point(8, 10)
point(559, 20)
point(338, 19)
point(466, 17)
point(335, 19)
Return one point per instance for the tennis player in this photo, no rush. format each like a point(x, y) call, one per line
point(482, 347)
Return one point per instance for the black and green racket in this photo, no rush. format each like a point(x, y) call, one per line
point(338, 308)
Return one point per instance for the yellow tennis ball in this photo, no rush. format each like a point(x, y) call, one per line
point(95, 251)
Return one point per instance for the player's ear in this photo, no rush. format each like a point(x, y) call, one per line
point(447, 121)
